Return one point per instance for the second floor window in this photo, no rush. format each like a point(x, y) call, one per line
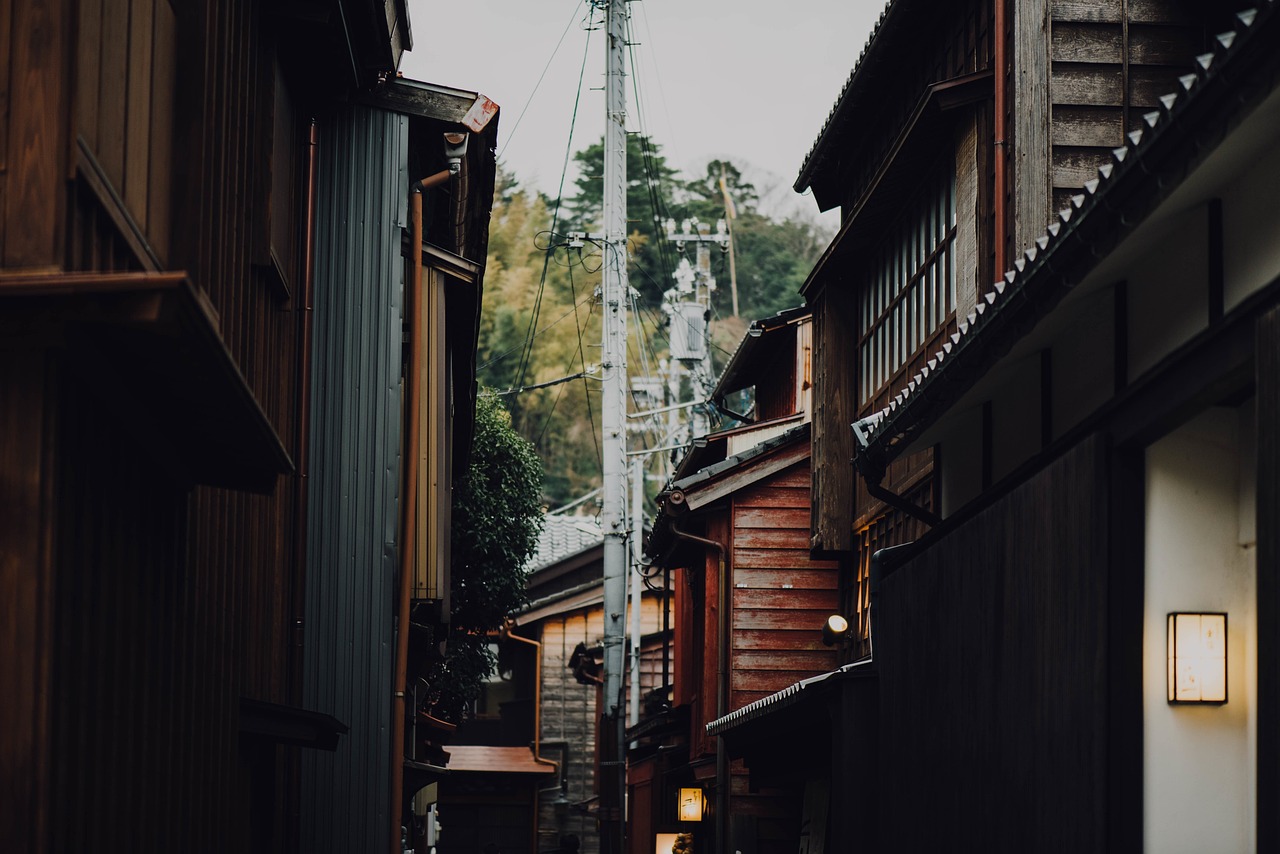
point(907, 293)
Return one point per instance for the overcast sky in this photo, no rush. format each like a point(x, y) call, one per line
point(751, 81)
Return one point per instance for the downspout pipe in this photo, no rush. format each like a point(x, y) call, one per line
point(508, 634)
point(1000, 61)
point(302, 442)
point(455, 149)
point(722, 675)
point(409, 517)
point(873, 477)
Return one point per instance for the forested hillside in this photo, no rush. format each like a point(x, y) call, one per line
point(540, 332)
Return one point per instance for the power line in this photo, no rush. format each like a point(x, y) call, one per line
point(527, 354)
point(511, 134)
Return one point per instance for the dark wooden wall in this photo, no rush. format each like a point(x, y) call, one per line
point(780, 595)
point(992, 650)
point(156, 607)
point(835, 406)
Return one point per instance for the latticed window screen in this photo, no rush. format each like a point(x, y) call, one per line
point(909, 288)
point(891, 529)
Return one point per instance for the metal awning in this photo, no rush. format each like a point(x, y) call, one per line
point(487, 759)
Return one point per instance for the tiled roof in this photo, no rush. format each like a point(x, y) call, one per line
point(786, 697)
point(563, 536)
point(729, 463)
point(1141, 173)
point(811, 159)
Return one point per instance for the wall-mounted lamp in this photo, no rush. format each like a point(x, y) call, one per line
point(835, 629)
point(1198, 658)
point(689, 807)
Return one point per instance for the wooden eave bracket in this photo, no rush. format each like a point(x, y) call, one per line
point(151, 345)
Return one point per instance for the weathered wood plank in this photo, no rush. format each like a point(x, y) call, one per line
point(1072, 167)
point(834, 403)
point(1088, 126)
point(765, 538)
point(1147, 83)
point(771, 517)
point(772, 618)
point(754, 558)
point(788, 600)
point(1027, 188)
point(1162, 45)
point(37, 131)
point(767, 680)
point(1087, 10)
point(800, 663)
point(1075, 42)
point(775, 496)
point(797, 637)
point(1086, 85)
point(1163, 12)
point(137, 136)
point(800, 578)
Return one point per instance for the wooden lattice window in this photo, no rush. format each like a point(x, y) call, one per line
point(892, 528)
point(908, 291)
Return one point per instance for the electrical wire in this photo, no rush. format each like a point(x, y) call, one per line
point(527, 353)
point(511, 134)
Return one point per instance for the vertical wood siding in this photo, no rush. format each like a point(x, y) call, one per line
point(834, 409)
point(170, 604)
point(992, 650)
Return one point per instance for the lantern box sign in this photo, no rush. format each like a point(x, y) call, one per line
point(689, 807)
point(1198, 658)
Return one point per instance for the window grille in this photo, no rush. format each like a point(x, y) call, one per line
point(908, 291)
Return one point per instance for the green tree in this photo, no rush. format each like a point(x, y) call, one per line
point(651, 186)
point(497, 516)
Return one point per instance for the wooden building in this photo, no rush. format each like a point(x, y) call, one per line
point(1063, 409)
point(198, 568)
point(551, 697)
point(750, 600)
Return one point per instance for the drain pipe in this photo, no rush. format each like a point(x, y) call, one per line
point(722, 670)
point(873, 477)
point(455, 148)
point(999, 60)
point(507, 634)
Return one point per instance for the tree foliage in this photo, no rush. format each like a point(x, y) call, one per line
point(497, 516)
point(537, 285)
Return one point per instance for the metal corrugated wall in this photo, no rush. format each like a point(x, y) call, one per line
point(355, 451)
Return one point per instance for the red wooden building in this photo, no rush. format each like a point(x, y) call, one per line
point(750, 601)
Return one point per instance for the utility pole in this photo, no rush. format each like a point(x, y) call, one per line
point(688, 305)
point(613, 419)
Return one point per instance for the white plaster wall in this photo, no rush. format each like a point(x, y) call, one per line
point(1199, 761)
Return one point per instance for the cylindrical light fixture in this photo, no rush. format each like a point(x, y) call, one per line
point(1197, 658)
point(836, 628)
